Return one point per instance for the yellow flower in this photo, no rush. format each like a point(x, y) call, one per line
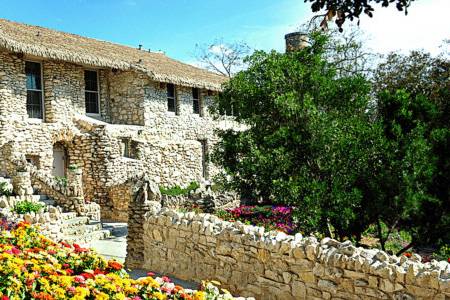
point(199, 295)
point(159, 296)
point(101, 296)
point(119, 296)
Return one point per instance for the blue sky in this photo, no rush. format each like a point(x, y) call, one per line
point(176, 26)
point(172, 26)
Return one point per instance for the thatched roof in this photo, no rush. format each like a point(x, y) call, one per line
point(52, 44)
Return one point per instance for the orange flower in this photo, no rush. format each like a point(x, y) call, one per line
point(114, 265)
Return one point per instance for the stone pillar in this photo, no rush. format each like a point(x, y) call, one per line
point(22, 183)
point(146, 200)
point(75, 190)
point(295, 41)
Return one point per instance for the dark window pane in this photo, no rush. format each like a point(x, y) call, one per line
point(33, 71)
point(195, 93)
point(91, 102)
point(171, 104)
point(90, 80)
point(196, 106)
point(34, 104)
point(170, 90)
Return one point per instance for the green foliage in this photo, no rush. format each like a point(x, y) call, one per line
point(296, 158)
point(73, 167)
point(322, 143)
point(61, 180)
point(443, 253)
point(5, 188)
point(24, 207)
point(349, 10)
point(178, 191)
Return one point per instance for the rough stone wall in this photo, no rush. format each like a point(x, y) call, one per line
point(271, 265)
point(165, 145)
point(49, 219)
point(12, 86)
point(127, 97)
point(63, 88)
point(121, 196)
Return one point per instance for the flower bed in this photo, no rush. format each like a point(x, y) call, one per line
point(269, 217)
point(34, 267)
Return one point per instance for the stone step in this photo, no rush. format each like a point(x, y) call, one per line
point(48, 202)
point(82, 229)
point(68, 215)
point(88, 237)
point(36, 198)
point(76, 221)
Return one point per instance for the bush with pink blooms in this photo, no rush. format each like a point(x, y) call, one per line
point(270, 217)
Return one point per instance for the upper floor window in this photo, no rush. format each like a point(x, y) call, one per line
point(196, 100)
point(171, 98)
point(35, 105)
point(91, 94)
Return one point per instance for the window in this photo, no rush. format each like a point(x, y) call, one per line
point(125, 145)
point(204, 144)
point(171, 98)
point(34, 90)
point(196, 100)
point(91, 92)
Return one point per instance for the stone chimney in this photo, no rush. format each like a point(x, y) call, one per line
point(295, 41)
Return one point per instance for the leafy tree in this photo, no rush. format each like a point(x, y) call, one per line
point(315, 140)
point(303, 120)
point(342, 10)
point(413, 105)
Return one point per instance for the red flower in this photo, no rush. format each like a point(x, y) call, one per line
point(408, 254)
point(114, 265)
point(87, 275)
point(151, 274)
point(5, 297)
point(65, 245)
point(98, 271)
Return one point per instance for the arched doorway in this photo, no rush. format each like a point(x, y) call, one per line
point(60, 160)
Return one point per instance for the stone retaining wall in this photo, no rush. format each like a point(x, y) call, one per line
point(48, 219)
point(272, 265)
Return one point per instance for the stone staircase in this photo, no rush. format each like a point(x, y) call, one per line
point(74, 229)
point(82, 230)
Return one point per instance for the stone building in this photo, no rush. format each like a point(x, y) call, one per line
point(114, 111)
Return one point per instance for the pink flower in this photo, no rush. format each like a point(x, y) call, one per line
point(166, 279)
point(79, 279)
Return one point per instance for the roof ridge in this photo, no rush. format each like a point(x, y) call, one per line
point(65, 46)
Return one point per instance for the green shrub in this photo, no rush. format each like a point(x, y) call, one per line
point(177, 190)
point(61, 180)
point(443, 253)
point(5, 188)
point(24, 207)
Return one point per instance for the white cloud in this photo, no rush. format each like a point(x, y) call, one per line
point(388, 30)
point(425, 27)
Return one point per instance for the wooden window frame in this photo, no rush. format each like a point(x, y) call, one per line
point(174, 99)
point(89, 91)
point(199, 102)
point(34, 90)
